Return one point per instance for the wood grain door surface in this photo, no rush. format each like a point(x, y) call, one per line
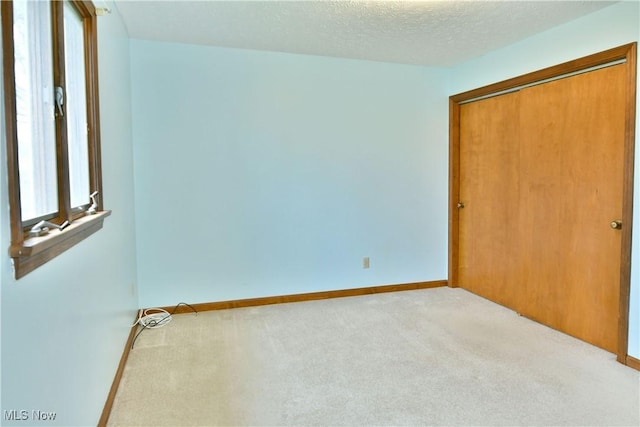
point(541, 178)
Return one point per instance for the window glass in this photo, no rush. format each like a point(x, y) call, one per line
point(35, 109)
point(77, 124)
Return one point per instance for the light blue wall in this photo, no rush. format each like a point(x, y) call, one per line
point(613, 26)
point(266, 174)
point(65, 324)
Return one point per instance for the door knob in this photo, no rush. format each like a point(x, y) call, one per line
point(460, 205)
point(616, 225)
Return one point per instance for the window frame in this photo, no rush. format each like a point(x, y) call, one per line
point(28, 252)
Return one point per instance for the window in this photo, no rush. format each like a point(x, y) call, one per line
point(52, 127)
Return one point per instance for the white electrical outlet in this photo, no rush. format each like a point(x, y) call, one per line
point(365, 262)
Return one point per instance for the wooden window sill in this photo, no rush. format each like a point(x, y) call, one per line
point(35, 251)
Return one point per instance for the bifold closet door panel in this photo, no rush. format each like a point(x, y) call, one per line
point(488, 223)
point(571, 188)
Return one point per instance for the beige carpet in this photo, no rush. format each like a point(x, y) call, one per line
point(430, 357)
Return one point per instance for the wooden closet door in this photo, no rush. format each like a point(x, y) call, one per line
point(571, 189)
point(489, 173)
point(541, 179)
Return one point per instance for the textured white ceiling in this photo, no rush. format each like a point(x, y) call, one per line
point(433, 33)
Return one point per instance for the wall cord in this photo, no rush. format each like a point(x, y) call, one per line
point(153, 318)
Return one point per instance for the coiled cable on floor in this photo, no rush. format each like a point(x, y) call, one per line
point(153, 318)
